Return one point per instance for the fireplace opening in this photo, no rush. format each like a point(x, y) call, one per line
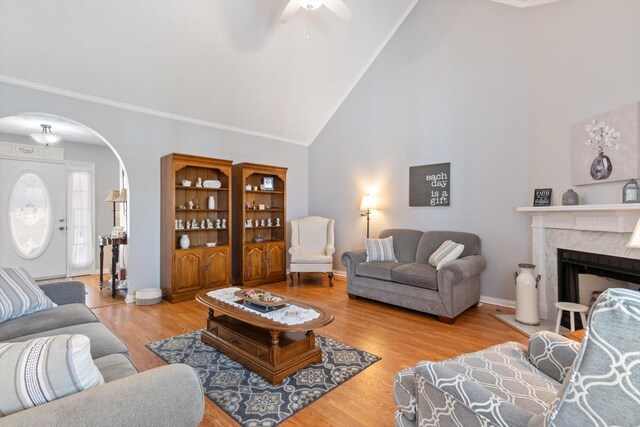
point(572, 264)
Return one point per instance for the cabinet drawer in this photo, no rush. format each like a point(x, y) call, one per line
point(243, 343)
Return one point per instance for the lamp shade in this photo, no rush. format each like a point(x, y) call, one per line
point(634, 242)
point(368, 203)
point(123, 195)
point(113, 196)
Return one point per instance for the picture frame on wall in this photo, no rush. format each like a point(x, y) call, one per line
point(605, 147)
point(541, 197)
point(430, 185)
point(267, 183)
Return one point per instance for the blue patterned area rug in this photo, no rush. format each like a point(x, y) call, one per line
point(245, 395)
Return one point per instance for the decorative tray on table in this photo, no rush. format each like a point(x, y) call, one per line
point(260, 300)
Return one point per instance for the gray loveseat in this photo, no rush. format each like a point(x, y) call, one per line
point(412, 282)
point(169, 395)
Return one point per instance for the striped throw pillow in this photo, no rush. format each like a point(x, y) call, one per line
point(19, 294)
point(448, 251)
point(44, 369)
point(380, 249)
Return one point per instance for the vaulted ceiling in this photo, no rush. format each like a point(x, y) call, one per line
point(224, 63)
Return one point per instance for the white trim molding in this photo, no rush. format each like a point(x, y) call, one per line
point(143, 110)
point(497, 301)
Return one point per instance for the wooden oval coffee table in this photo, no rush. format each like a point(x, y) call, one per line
point(272, 350)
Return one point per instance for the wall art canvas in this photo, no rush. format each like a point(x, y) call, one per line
point(604, 148)
point(430, 185)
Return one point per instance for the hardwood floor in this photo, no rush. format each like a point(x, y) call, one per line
point(97, 297)
point(401, 337)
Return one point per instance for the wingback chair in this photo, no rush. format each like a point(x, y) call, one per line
point(555, 382)
point(312, 246)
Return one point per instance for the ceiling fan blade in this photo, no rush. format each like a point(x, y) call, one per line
point(290, 10)
point(339, 8)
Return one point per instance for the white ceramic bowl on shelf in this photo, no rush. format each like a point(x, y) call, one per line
point(212, 183)
point(211, 244)
point(186, 183)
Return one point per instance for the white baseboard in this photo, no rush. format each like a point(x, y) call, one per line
point(497, 301)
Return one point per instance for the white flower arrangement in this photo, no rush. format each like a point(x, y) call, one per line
point(601, 136)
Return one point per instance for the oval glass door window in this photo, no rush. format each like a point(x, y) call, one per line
point(30, 216)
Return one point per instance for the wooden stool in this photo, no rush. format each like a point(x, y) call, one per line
point(571, 308)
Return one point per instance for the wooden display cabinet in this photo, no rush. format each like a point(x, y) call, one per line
point(185, 272)
point(259, 248)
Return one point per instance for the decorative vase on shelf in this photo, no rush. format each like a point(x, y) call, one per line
point(211, 204)
point(184, 241)
point(601, 167)
point(527, 295)
point(570, 198)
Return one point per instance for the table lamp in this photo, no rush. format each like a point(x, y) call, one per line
point(113, 198)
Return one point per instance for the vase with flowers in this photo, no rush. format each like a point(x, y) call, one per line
point(601, 137)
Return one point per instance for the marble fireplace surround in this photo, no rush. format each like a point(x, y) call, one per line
point(600, 229)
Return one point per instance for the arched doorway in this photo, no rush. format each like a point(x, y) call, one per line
point(52, 198)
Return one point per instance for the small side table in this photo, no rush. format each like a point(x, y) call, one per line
point(571, 308)
point(115, 243)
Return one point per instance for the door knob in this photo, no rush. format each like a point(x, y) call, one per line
point(62, 228)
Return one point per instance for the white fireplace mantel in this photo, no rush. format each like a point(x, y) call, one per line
point(587, 228)
point(619, 218)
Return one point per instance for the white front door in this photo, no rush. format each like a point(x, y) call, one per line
point(33, 217)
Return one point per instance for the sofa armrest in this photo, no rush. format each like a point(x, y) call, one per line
point(352, 258)
point(294, 249)
point(444, 397)
point(404, 396)
point(166, 396)
point(61, 293)
point(553, 354)
point(462, 269)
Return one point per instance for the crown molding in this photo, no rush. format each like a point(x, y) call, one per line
point(365, 69)
point(525, 3)
point(143, 110)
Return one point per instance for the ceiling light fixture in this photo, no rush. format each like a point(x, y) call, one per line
point(336, 6)
point(46, 137)
point(310, 4)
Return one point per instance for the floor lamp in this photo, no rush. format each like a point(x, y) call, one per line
point(368, 204)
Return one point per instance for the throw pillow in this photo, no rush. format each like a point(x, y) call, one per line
point(448, 251)
point(19, 294)
point(380, 249)
point(44, 369)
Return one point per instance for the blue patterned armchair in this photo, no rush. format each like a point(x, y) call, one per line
point(553, 382)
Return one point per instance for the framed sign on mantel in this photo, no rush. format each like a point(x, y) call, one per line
point(430, 185)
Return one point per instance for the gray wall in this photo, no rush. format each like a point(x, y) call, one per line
point(584, 60)
point(449, 87)
point(106, 178)
point(140, 140)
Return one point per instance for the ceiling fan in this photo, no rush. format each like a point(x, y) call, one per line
point(336, 6)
